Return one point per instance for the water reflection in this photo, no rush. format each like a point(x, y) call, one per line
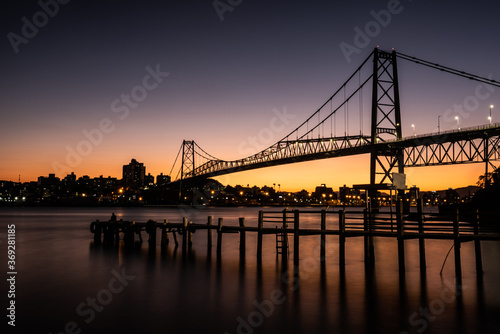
point(198, 291)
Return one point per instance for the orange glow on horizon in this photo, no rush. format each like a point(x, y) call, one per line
point(292, 177)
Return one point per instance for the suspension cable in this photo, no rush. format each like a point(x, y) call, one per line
point(178, 153)
point(331, 97)
point(449, 70)
point(211, 156)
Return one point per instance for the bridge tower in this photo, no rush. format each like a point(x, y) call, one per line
point(187, 168)
point(386, 120)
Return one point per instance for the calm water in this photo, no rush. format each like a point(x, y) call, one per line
point(66, 284)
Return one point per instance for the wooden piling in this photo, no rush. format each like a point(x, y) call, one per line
point(284, 248)
point(209, 233)
point(97, 231)
point(219, 237)
point(323, 235)
point(259, 235)
point(477, 244)
point(342, 238)
point(137, 230)
point(117, 233)
point(242, 236)
point(400, 236)
point(151, 230)
point(184, 233)
point(175, 238)
point(421, 239)
point(457, 245)
point(128, 232)
point(296, 231)
point(367, 227)
point(164, 234)
point(190, 234)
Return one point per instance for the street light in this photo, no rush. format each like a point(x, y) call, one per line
point(489, 118)
point(413, 126)
point(458, 122)
point(439, 125)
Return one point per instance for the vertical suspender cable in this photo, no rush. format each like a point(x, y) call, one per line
point(360, 107)
point(345, 116)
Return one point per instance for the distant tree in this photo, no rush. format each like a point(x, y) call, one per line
point(488, 198)
point(493, 177)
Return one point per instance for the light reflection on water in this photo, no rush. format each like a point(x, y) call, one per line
point(59, 267)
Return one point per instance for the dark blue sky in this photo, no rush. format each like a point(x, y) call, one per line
point(225, 77)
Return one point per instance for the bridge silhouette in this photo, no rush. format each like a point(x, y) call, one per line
point(390, 152)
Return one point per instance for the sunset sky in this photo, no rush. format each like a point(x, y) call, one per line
point(221, 82)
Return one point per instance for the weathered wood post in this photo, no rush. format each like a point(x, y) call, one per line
point(137, 230)
point(184, 233)
point(95, 227)
point(457, 244)
point(285, 236)
point(109, 233)
point(117, 233)
point(259, 235)
point(367, 228)
point(128, 231)
point(190, 234)
point(477, 244)
point(421, 239)
point(400, 235)
point(323, 235)
point(296, 230)
point(151, 229)
point(209, 233)
point(175, 238)
point(164, 234)
point(219, 236)
point(342, 238)
point(242, 236)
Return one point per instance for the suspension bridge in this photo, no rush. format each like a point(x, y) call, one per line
point(318, 138)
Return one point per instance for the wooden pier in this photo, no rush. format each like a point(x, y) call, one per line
point(367, 224)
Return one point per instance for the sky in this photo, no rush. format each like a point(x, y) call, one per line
point(94, 84)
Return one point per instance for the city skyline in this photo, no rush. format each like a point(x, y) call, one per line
point(225, 82)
